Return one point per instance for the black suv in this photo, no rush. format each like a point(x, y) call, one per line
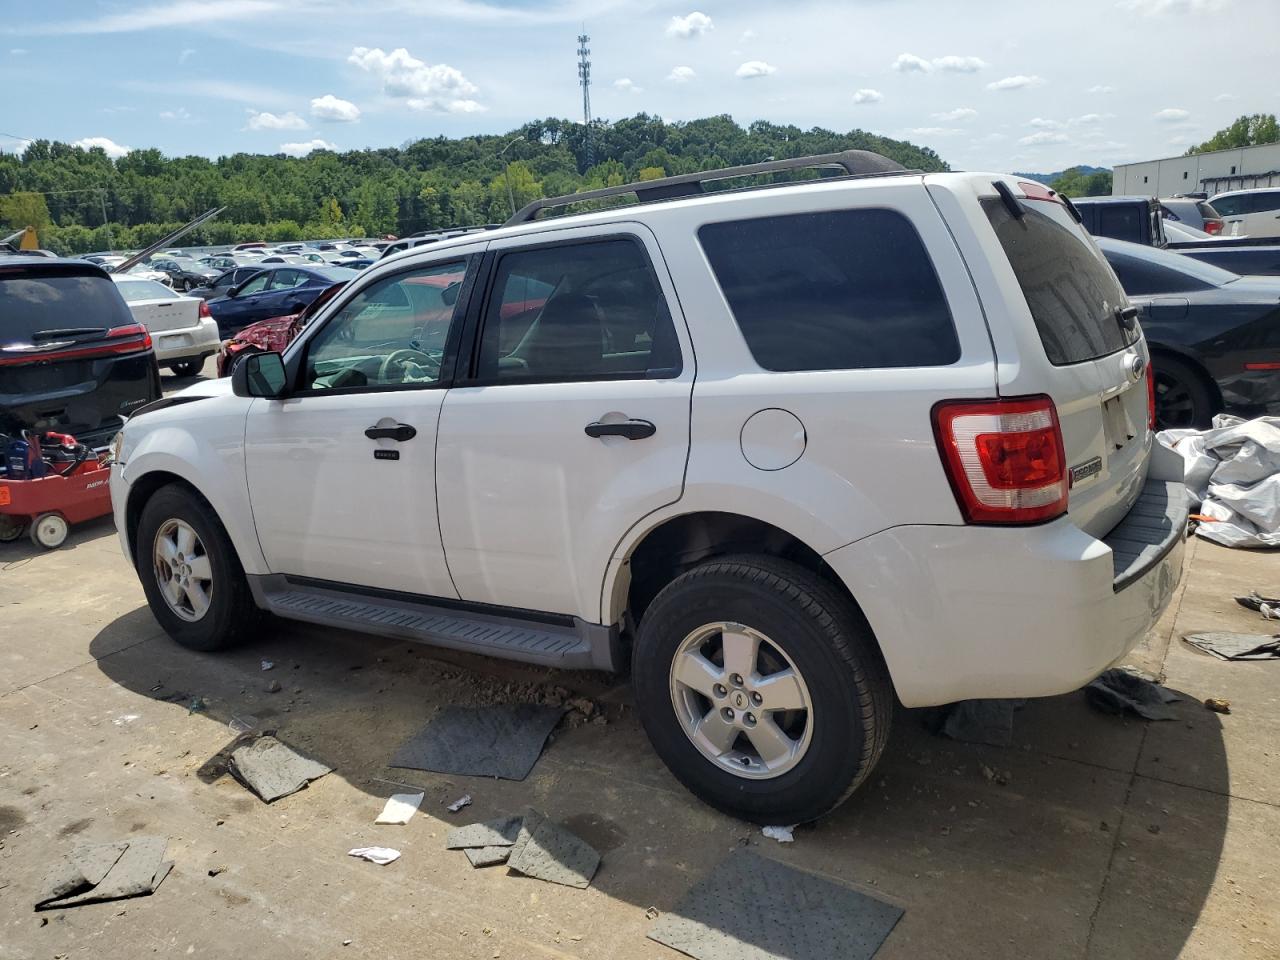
point(72, 358)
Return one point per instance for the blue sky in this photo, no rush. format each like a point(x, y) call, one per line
point(992, 84)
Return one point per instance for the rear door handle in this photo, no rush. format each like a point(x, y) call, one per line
point(399, 433)
point(629, 429)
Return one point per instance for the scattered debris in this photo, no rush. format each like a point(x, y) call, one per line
point(1269, 607)
point(274, 687)
point(268, 664)
point(1237, 646)
point(552, 853)
point(781, 834)
point(124, 718)
point(379, 855)
point(1218, 705)
point(400, 808)
point(1119, 690)
point(242, 725)
point(94, 872)
point(197, 705)
point(981, 721)
point(214, 871)
point(487, 856)
point(1153, 828)
point(651, 913)
point(272, 769)
point(752, 908)
point(503, 740)
point(998, 777)
point(462, 801)
point(494, 833)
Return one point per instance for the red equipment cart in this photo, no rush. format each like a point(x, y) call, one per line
point(51, 503)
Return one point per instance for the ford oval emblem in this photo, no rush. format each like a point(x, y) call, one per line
point(1136, 365)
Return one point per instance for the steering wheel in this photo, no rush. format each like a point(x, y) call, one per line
point(404, 355)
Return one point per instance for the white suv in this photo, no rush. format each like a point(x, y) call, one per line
point(1253, 213)
point(783, 451)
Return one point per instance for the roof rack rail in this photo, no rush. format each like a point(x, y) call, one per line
point(853, 163)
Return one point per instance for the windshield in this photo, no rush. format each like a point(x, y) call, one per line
point(1177, 262)
point(31, 304)
point(135, 290)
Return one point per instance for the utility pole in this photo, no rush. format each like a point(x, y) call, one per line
point(507, 168)
point(102, 196)
point(584, 78)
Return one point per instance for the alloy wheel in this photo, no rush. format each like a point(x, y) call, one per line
point(182, 570)
point(741, 700)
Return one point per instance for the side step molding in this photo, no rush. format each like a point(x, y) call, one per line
point(573, 646)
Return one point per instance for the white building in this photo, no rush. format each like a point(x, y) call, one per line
point(1211, 173)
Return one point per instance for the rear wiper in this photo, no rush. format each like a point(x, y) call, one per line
point(67, 332)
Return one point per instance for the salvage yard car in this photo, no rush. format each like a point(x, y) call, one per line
point(784, 452)
point(181, 328)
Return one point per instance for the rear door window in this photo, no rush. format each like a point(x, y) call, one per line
point(35, 304)
point(1229, 206)
point(1072, 294)
point(839, 290)
point(1122, 221)
point(1264, 202)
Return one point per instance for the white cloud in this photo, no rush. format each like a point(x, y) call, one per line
point(1043, 124)
point(954, 64)
point(1017, 82)
point(18, 52)
point(186, 55)
point(1172, 114)
point(748, 34)
point(1044, 136)
point(910, 63)
point(959, 113)
point(175, 13)
point(113, 150)
point(1101, 88)
point(305, 147)
point(1155, 8)
point(1181, 140)
point(271, 121)
point(867, 95)
point(627, 85)
point(1225, 98)
point(754, 68)
point(681, 74)
point(1088, 119)
point(437, 89)
point(694, 25)
point(330, 109)
point(933, 131)
point(181, 115)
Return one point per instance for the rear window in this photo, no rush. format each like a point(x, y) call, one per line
point(35, 303)
point(840, 290)
point(1207, 212)
point(135, 290)
point(1072, 294)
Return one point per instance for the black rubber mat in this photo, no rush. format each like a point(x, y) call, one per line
point(499, 741)
point(752, 908)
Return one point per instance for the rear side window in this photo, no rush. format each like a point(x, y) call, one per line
point(841, 290)
point(1122, 221)
point(1264, 202)
point(33, 304)
point(1207, 212)
point(1229, 206)
point(1072, 295)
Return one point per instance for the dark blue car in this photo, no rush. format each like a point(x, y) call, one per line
point(273, 292)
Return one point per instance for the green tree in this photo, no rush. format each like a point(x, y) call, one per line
point(1246, 131)
point(1074, 182)
point(19, 210)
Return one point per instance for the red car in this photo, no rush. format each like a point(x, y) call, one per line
point(272, 334)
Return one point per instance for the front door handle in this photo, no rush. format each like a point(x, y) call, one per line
point(630, 429)
point(399, 433)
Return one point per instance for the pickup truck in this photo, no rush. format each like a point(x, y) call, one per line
point(1141, 220)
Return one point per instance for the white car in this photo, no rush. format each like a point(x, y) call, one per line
point(1253, 212)
point(182, 330)
point(786, 453)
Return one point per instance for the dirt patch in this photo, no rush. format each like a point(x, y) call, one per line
point(71, 829)
point(11, 818)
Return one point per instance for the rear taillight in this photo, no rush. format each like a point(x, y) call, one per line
point(1004, 458)
point(1213, 227)
point(204, 311)
point(132, 336)
point(1151, 398)
point(127, 339)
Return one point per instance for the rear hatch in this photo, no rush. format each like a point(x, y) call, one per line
point(1084, 353)
point(72, 359)
point(157, 307)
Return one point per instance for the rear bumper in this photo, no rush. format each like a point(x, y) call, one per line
point(983, 612)
point(187, 343)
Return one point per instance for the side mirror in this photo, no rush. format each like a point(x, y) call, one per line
point(259, 375)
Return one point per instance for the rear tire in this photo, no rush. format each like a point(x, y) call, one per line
point(187, 368)
point(1183, 396)
point(49, 530)
point(804, 626)
point(193, 580)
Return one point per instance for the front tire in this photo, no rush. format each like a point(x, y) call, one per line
point(761, 687)
point(190, 572)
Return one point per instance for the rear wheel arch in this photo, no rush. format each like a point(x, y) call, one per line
point(1164, 352)
point(680, 543)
